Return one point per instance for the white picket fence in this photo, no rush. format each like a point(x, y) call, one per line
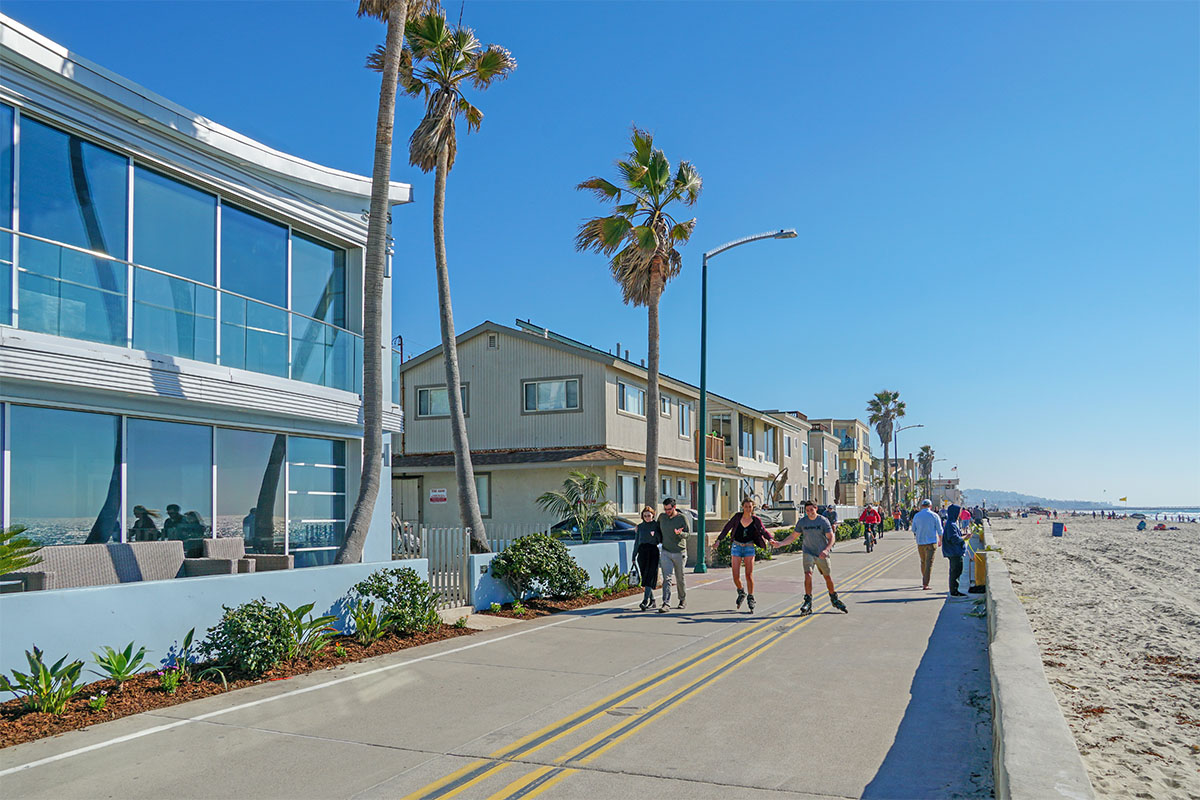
point(447, 550)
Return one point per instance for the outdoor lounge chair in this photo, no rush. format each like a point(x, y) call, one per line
point(71, 565)
point(234, 548)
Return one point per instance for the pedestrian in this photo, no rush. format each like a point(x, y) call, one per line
point(645, 554)
point(895, 519)
point(817, 545)
point(831, 515)
point(747, 531)
point(954, 548)
point(906, 517)
point(927, 530)
point(673, 528)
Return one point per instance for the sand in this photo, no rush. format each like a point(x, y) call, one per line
point(1117, 615)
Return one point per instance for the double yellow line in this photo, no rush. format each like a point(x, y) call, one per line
point(541, 779)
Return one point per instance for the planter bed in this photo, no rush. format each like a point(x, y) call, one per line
point(542, 607)
point(143, 693)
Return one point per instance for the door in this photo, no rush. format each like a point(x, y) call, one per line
point(407, 492)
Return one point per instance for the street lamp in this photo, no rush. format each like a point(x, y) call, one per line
point(701, 505)
point(896, 440)
point(929, 477)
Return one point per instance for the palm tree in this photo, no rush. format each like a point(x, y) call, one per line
point(641, 237)
point(584, 501)
point(925, 459)
point(884, 409)
point(394, 13)
point(438, 62)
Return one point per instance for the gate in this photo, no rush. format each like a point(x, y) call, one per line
point(446, 550)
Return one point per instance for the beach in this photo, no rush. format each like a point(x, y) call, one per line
point(1117, 616)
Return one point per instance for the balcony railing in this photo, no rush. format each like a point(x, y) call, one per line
point(82, 294)
point(848, 477)
point(714, 447)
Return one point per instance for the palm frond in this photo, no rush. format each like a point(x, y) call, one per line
point(643, 143)
point(603, 234)
point(473, 115)
point(632, 173)
point(687, 184)
point(603, 189)
point(681, 232)
point(493, 64)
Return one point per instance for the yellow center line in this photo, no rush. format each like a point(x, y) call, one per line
point(482, 768)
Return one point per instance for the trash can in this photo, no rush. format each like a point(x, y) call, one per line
point(1059, 529)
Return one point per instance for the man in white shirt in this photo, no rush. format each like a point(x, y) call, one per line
point(927, 530)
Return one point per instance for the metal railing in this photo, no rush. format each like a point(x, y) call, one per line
point(83, 294)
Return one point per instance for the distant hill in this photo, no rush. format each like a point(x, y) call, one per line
point(1000, 499)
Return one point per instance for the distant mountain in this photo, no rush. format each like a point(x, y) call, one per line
point(1000, 499)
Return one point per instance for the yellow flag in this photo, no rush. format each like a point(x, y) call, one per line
point(1123, 499)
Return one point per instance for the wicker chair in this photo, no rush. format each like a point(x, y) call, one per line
point(71, 565)
point(235, 548)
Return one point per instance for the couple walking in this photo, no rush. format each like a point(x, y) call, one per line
point(661, 543)
point(931, 533)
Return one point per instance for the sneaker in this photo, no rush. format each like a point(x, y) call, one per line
point(741, 597)
point(750, 602)
point(643, 605)
point(662, 609)
point(681, 606)
point(957, 594)
point(650, 603)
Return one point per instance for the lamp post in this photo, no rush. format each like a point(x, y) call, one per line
point(929, 477)
point(896, 439)
point(702, 486)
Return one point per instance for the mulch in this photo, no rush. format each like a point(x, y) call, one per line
point(143, 692)
point(542, 607)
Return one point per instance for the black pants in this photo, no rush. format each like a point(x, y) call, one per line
point(647, 562)
point(956, 568)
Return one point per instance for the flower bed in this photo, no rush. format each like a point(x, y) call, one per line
point(144, 691)
point(541, 607)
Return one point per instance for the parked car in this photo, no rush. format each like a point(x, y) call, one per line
point(619, 529)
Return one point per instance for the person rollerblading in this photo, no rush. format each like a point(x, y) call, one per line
point(818, 544)
point(750, 602)
point(806, 608)
point(838, 604)
point(741, 598)
point(747, 531)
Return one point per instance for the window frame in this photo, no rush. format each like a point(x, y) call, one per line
point(464, 388)
point(488, 476)
point(551, 379)
point(622, 388)
point(664, 404)
point(685, 419)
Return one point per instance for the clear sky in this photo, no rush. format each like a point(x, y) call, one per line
point(997, 203)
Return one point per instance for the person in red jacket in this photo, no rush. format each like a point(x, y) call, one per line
point(870, 519)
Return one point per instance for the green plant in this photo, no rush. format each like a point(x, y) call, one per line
point(17, 552)
point(519, 609)
point(97, 702)
point(614, 580)
point(120, 665)
point(168, 680)
point(583, 500)
point(183, 659)
point(251, 638)
point(850, 529)
point(495, 608)
point(339, 651)
point(369, 626)
point(209, 673)
point(461, 622)
point(45, 689)
point(889, 524)
point(539, 563)
point(307, 636)
point(409, 604)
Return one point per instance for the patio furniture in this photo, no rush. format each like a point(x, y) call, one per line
point(72, 565)
point(235, 548)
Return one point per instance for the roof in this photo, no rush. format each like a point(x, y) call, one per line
point(562, 455)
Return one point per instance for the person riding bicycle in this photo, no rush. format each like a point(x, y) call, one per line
point(870, 519)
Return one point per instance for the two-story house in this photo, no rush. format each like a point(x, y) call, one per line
point(823, 464)
point(854, 459)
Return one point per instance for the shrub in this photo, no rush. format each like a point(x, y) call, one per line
point(409, 604)
point(368, 625)
point(850, 529)
point(252, 637)
point(542, 564)
point(614, 580)
point(168, 680)
point(889, 524)
point(120, 665)
point(45, 689)
point(17, 552)
point(307, 637)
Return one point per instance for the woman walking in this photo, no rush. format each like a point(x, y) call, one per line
point(645, 555)
point(747, 530)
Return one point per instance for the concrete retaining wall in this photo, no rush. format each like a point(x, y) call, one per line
point(592, 557)
point(1034, 756)
point(157, 614)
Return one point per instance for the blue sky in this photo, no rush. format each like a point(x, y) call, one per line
point(997, 203)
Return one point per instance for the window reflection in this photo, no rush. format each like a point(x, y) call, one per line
point(250, 488)
point(6, 209)
point(253, 256)
point(174, 317)
point(65, 481)
point(318, 280)
point(169, 482)
point(174, 227)
point(316, 499)
point(254, 336)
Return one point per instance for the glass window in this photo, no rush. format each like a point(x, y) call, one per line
point(318, 280)
point(787, 447)
point(710, 497)
point(804, 452)
point(483, 490)
point(72, 191)
point(627, 493)
point(65, 475)
point(316, 499)
point(769, 443)
point(666, 488)
point(664, 405)
point(680, 487)
point(6, 211)
point(174, 317)
point(254, 253)
point(254, 336)
point(174, 227)
point(434, 401)
point(561, 395)
point(745, 437)
point(631, 399)
point(169, 474)
point(685, 420)
point(250, 497)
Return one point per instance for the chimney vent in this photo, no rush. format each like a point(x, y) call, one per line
point(642, 362)
point(626, 354)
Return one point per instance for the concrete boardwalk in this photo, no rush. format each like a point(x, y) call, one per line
point(888, 701)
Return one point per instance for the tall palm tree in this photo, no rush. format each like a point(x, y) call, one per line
point(641, 236)
point(437, 64)
point(925, 459)
point(394, 13)
point(884, 409)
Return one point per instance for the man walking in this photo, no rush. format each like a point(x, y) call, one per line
point(927, 530)
point(674, 529)
point(818, 542)
point(954, 548)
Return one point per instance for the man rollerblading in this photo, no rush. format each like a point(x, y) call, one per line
point(818, 543)
point(806, 608)
point(838, 604)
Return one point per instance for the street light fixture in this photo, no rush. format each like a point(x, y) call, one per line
point(702, 503)
point(896, 439)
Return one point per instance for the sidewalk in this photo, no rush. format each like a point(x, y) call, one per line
point(599, 703)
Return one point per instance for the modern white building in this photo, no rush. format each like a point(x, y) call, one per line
point(180, 321)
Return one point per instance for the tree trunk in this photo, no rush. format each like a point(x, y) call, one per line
point(653, 412)
point(374, 263)
point(464, 472)
point(268, 494)
point(887, 492)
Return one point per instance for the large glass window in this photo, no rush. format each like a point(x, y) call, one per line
point(253, 256)
point(174, 227)
point(6, 211)
point(434, 401)
point(483, 490)
point(250, 492)
point(169, 477)
point(65, 476)
point(318, 280)
point(769, 443)
point(631, 399)
point(627, 493)
point(558, 395)
point(685, 420)
point(745, 436)
point(316, 499)
point(174, 317)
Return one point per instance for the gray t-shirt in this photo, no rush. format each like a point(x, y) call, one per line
point(674, 532)
point(816, 534)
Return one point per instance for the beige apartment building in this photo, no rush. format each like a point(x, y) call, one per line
point(823, 464)
point(854, 459)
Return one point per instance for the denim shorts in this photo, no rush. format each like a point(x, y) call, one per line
point(742, 550)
